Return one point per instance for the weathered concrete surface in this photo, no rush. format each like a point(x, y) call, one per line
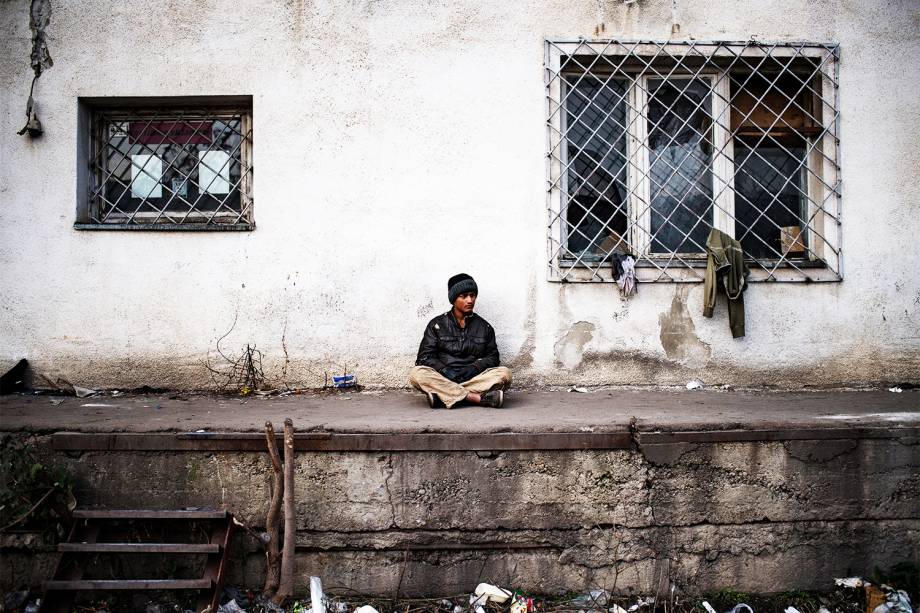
point(382, 132)
point(755, 515)
point(603, 409)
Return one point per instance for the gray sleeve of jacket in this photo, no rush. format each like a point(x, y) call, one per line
point(428, 349)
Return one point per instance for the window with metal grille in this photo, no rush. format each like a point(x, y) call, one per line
point(168, 163)
point(654, 144)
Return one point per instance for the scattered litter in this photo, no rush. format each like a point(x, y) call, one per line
point(116, 393)
point(790, 610)
point(616, 609)
point(642, 602)
point(344, 381)
point(316, 593)
point(705, 604)
point(823, 610)
point(366, 609)
point(580, 390)
point(492, 593)
point(694, 384)
point(586, 429)
point(519, 604)
point(56, 401)
point(99, 405)
point(83, 392)
point(896, 601)
point(740, 607)
point(33, 607)
point(231, 607)
point(592, 600)
point(895, 390)
point(459, 609)
point(335, 605)
point(851, 582)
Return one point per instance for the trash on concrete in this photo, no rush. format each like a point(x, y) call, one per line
point(895, 390)
point(705, 604)
point(337, 607)
point(580, 390)
point(57, 401)
point(493, 593)
point(641, 603)
point(823, 610)
point(519, 603)
point(694, 384)
point(851, 582)
point(896, 601)
point(366, 609)
point(231, 607)
point(790, 610)
point(592, 600)
point(83, 392)
point(742, 608)
point(616, 609)
point(316, 595)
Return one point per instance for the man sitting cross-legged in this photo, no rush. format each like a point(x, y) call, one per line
point(458, 358)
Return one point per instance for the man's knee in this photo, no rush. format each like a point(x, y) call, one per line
point(416, 372)
point(504, 373)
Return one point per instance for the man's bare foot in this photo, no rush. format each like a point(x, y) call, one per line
point(473, 398)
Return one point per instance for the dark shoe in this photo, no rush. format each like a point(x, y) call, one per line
point(494, 399)
point(433, 401)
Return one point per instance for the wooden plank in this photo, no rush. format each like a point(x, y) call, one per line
point(147, 514)
point(129, 584)
point(139, 548)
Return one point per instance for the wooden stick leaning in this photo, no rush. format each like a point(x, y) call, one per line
point(286, 587)
point(273, 553)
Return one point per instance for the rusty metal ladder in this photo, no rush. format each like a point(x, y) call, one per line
point(84, 541)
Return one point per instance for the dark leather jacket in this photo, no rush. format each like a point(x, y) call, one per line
point(445, 343)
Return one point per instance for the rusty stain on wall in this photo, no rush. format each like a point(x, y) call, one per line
point(678, 333)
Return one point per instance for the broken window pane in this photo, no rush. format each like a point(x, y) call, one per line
point(680, 158)
point(596, 180)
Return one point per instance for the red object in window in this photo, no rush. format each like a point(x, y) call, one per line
point(170, 132)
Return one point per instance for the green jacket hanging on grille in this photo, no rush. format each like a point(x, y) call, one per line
point(725, 266)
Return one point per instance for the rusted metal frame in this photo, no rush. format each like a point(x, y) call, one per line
point(194, 205)
point(244, 169)
point(138, 548)
point(333, 442)
point(637, 115)
point(233, 115)
point(198, 164)
point(724, 72)
point(144, 146)
point(343, 442)
point(579, 259)
point(129, 584)
point(148, 514)
point(215, 569)
point(60, 600)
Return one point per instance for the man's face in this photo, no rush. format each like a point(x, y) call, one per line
point(465, 302)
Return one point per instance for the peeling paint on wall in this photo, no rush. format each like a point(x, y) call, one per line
point(678, 333)
point(570, 349)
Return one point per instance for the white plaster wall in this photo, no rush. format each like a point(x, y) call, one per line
point(400, 142)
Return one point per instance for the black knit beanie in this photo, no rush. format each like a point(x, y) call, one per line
point(460, 284)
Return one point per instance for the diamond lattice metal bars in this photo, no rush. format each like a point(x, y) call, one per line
point(170, 168)
point(651, 144)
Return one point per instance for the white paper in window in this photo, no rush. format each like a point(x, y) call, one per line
point(146, 172)
point(214, 172)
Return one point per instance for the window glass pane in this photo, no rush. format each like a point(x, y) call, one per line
point(680, 156)
point(770, 205)
point(595, 201)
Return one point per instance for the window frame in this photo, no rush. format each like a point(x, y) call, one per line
point(90, 139)
point(821, 167)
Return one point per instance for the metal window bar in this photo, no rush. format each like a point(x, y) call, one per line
point(204, 179)
point(775, 102)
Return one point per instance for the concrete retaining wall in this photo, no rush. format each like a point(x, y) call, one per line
point(754, 516)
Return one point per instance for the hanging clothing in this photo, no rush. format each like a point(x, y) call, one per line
point(623, 268)
point(725, 267)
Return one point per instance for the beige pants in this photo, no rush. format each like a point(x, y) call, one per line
point(427, 379)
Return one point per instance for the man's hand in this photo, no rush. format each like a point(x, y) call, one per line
point(459, 374)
